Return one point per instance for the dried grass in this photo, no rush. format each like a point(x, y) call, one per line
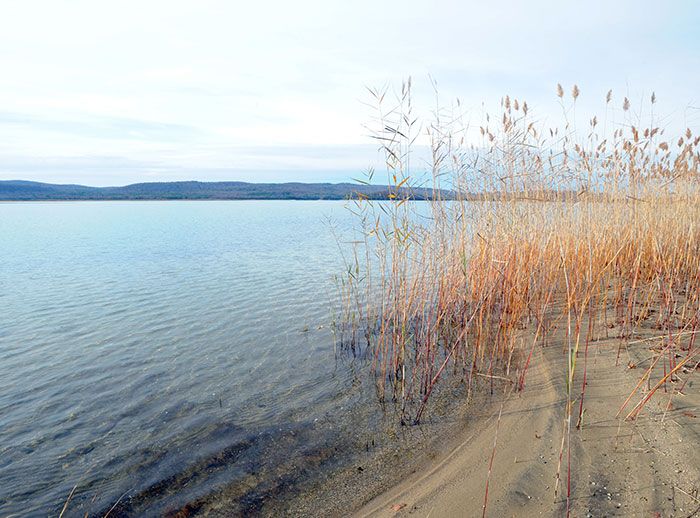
point(531, 228)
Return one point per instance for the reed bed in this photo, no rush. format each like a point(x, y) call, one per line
point(531, 229)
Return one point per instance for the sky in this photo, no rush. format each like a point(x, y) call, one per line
point(111, 93)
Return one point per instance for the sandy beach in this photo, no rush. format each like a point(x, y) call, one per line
point(646, 467)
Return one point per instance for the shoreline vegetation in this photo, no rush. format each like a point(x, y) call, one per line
point(482, 292)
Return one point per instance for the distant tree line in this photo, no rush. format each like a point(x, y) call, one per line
point(19, 190)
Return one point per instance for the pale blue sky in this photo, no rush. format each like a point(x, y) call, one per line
point(107, 93)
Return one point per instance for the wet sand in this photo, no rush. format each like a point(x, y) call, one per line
point(646, 467)
point(362, 463)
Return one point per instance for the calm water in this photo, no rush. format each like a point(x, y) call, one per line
point(153, 352)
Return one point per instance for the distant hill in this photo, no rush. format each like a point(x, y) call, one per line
point(19, 190)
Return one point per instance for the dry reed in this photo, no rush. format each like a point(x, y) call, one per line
point(531, 227)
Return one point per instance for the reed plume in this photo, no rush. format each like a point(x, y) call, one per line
point(531, 229)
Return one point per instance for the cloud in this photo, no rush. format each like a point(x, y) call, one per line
point(267, 163)
point(99, 127)
point(225, 82)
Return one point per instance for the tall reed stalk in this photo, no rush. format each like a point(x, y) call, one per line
point(530, 228)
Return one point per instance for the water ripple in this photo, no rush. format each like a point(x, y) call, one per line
point(141, 344)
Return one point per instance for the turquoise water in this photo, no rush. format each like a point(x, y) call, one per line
point(153, 352)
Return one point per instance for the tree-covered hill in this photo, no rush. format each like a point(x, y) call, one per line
point(20, 190)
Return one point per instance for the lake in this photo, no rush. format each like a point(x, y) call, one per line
point(154, 353)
